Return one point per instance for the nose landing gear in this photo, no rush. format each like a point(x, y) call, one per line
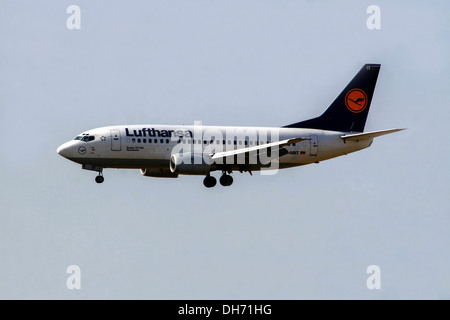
point(99, 178)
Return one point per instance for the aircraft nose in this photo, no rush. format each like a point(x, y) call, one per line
point(64, 150)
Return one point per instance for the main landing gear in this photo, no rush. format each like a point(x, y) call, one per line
point(225, 180)
point(209, 181)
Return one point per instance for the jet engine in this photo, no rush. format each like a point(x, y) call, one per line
point(189, 163)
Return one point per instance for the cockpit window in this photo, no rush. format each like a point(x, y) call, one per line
point(85, 138)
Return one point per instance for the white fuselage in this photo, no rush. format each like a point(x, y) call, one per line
point(151, 146)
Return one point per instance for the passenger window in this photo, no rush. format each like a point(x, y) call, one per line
point(139, 140)
point(161, 140)
point(133, 140)
point(167, 140)
point(155, 140)
point(205, 142)
point(144, 140)
point(223, 141)
point(149, 140)
point(235, 142)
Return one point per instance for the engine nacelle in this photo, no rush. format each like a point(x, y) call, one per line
point(158, 173)
point(189, 163)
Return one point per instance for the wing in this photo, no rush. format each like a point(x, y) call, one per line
point(274, 145)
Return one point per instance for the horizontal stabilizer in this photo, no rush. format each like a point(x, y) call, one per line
point(368, 135)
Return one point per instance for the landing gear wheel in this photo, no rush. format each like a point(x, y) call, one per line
point(209, 181)
point(99, 179)
point(226, 180)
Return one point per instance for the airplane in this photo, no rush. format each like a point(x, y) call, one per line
point(167, 151)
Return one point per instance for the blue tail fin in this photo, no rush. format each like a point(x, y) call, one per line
point(350, 109)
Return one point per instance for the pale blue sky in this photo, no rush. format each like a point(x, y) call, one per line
point(308, 232)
